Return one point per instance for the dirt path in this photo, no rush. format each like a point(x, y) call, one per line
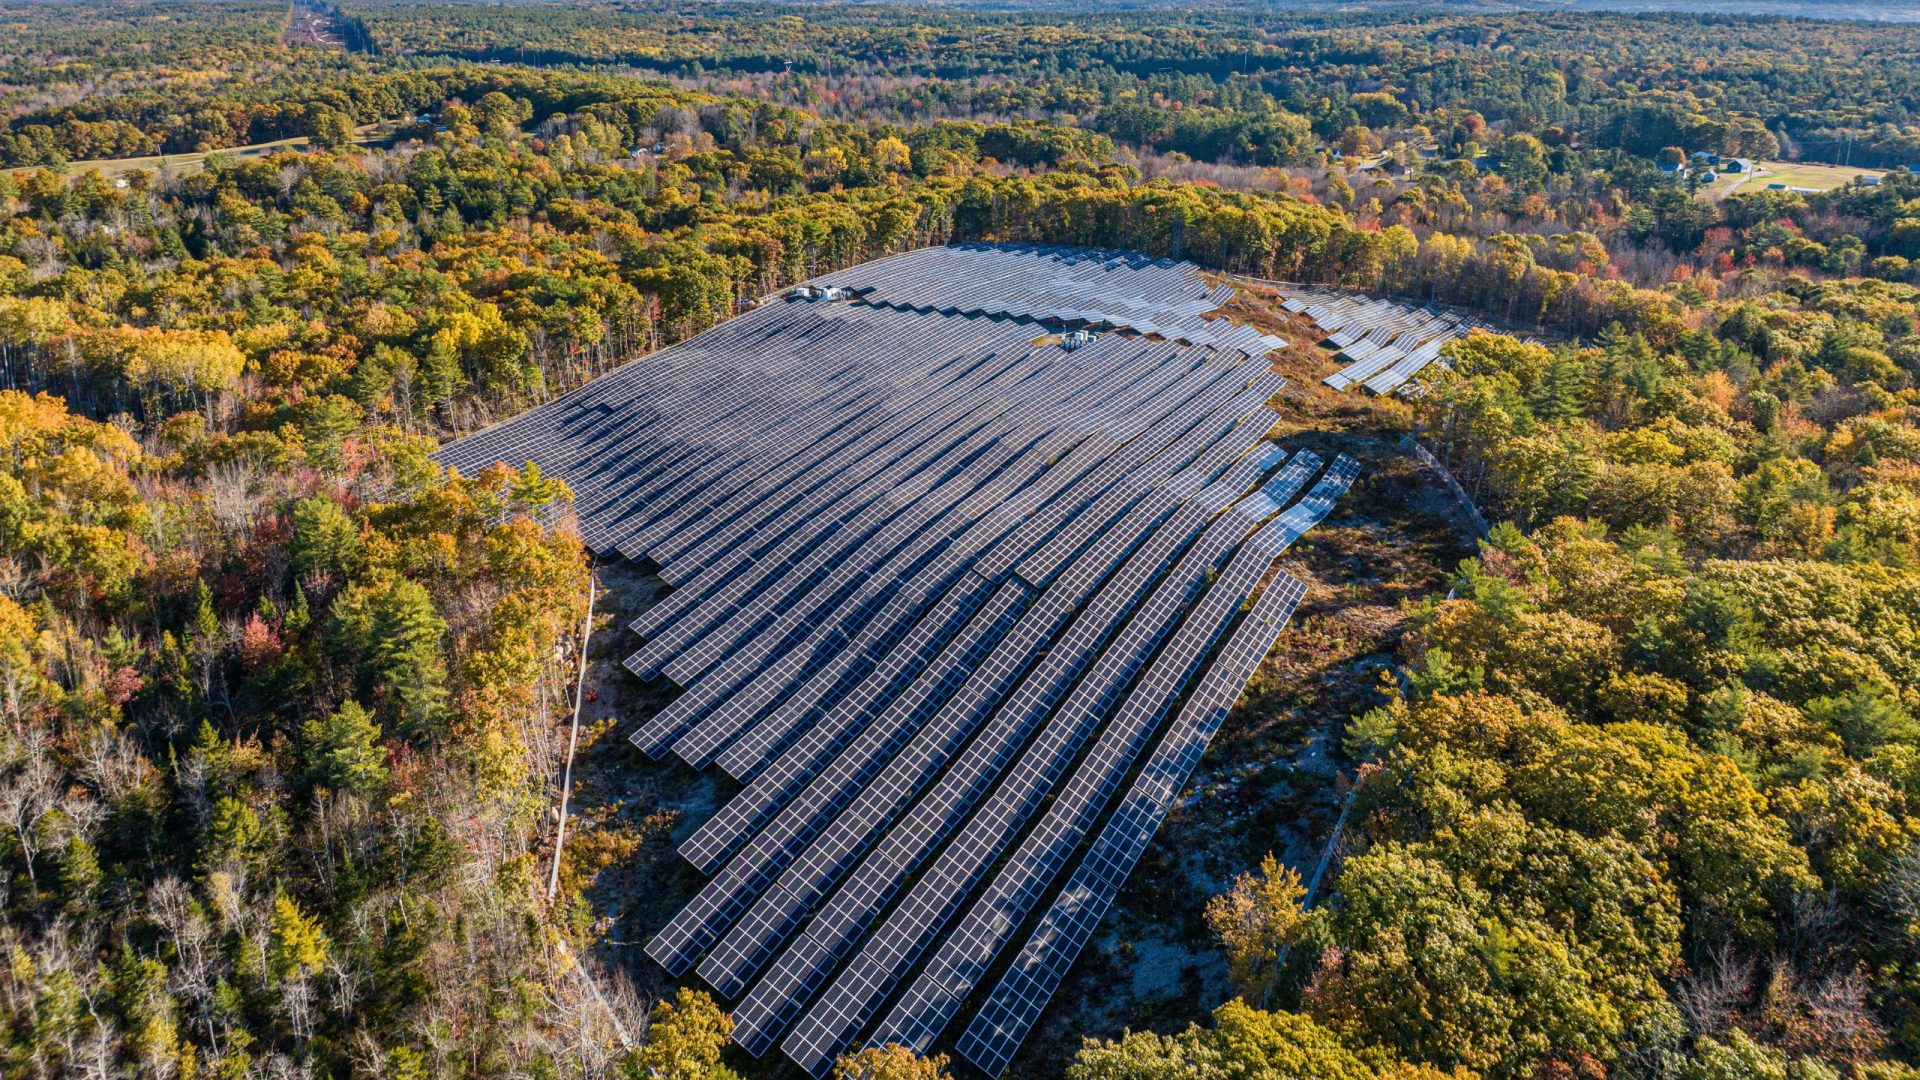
point(628, 810)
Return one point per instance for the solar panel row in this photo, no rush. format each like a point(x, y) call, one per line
point(927, 558)
point(785, 483)
point(899, 527)
point(1016, 1001)
point(968, 951)
point(931, 571)
point(831, 572)
point(850, 715)
point(723, 413)
point(1002, 361)
point(904, 848)
point(1072, 285)
point(964, 428)
point(694, 521)
point(850, 1002)
point(856, 699)
point(851, 779)
point(944, 733)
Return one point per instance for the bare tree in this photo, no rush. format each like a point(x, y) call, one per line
point(230, 496)
point(193, 974)
point(28, 793)
point(1712, 996)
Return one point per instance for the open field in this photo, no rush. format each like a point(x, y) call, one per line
point(1794, 174)
point(313, 27)
point(188, 164)
point(1809, 174)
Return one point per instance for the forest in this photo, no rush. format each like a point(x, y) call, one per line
point(282, 701)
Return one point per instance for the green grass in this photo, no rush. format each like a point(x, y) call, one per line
point(1794, 174)
point(188, 164)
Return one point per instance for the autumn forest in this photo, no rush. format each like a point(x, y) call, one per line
point(1622, 783)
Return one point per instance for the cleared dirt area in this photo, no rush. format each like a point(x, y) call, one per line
point(628, 811)
point(314, 27)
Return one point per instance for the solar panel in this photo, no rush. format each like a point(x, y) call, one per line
point(965, 956)
point(835, 567)
point(852, 999)
point(936, 814)
point(830, 854)
point(938, 576)
point(1016, 1001)
point(957, 538)
point(965, 426)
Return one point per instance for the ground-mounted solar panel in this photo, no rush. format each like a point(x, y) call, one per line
point(912, 569)
point(934, 539)
point(845, 721)
point(1165, 298)
point(935, 815)
point(784, 455)
point(836, 563)
point(724, 898)
point(970, 949)
point(830, 855)
point(1020, 444)
point(1062, 501)
point(1014, 1005)
point(910, 467)
point(895, 945)
point(860, 467)
point(799, 476)
point(710, 430)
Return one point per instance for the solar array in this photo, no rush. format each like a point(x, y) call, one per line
point(959, 605)
point(1385, 343)
point(1072, 286)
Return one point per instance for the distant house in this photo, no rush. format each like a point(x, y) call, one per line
point(1709, 176)
point(1674, 168)
point(1706, 157)
point(1776, 187)
point(1737, 165)
point(1872, 179)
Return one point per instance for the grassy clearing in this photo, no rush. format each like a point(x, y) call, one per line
point(1809, 175)
point(188, 164)
point(1794, 174)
